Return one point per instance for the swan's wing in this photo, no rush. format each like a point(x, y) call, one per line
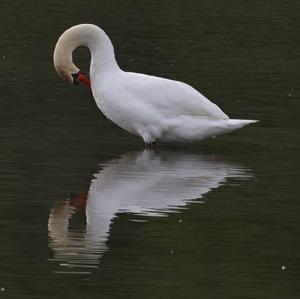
point(171, 98)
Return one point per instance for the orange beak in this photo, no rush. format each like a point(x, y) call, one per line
point(84, 80)
point(81, 78)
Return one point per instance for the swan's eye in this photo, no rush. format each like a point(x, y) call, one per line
point(80, 77)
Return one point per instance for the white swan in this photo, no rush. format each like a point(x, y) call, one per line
point(151, 107)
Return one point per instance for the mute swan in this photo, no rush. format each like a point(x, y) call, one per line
point(148, 106)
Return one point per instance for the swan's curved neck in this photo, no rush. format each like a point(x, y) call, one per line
point(92, 37)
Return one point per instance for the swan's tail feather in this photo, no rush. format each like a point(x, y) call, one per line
point(230, 125)
point(234, 124)
point(195, 129)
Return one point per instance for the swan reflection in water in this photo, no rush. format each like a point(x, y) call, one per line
point(140, 183)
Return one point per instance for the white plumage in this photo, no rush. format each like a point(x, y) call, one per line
point(151, 107)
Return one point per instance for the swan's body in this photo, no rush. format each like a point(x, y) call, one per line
point(151, 107)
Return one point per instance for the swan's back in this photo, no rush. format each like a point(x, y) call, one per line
point(169, 97)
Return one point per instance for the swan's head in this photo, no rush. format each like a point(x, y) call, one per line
point(63, 61)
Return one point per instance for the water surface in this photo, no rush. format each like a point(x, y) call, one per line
point(145, 184)
point(84, 211)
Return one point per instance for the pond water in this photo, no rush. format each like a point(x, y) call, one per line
point(214, 219)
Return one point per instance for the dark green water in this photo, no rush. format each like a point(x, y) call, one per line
point(216, 219)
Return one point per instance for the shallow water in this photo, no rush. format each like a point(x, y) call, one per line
point(216, 219)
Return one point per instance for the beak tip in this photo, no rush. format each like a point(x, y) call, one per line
point(84, 80)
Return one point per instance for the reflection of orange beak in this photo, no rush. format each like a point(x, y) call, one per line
point(79, 202)
point(84, 80)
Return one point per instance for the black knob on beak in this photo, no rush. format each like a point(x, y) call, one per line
point(76, 78)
